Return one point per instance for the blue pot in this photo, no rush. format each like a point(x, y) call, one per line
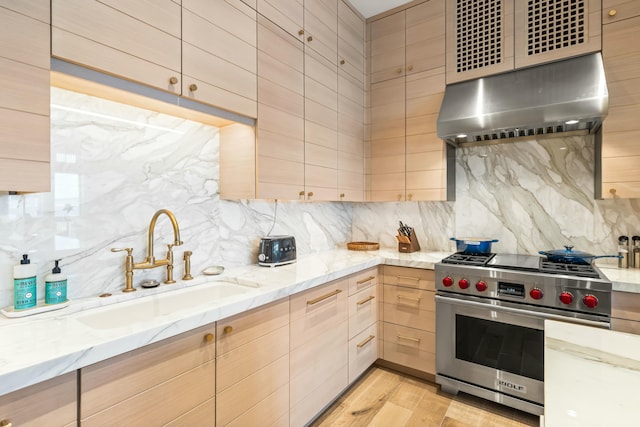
point(474, 245)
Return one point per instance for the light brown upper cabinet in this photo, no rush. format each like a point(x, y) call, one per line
point(219, 54)
point(188, 50)
point(494, 36)
point(351, 102)
point(309, 138)
point(408, 42)
point(406, 159)
point(620, 130)
point(24, 104)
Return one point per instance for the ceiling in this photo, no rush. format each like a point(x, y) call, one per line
point(369, 8)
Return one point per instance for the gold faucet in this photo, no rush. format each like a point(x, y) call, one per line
point(150, 261)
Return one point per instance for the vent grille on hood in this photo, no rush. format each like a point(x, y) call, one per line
point(563, 96)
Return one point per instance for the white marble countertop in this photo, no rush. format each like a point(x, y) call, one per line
point(592, 376)
point(623, 279)
point(39, 347)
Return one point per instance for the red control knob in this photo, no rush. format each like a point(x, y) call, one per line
point(481, 286)
point(590, 301)
point(566, 297)
point(463, 283)
point(536, 293)
point(447, 281)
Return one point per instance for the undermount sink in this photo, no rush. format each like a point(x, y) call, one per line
point(145, 309)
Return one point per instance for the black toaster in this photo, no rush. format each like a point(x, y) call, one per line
point(277, 250)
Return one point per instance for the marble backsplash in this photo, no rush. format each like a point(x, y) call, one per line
point(114, 165)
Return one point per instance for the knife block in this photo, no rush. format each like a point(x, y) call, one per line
point(408, 244)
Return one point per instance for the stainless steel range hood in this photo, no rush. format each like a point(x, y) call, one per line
point(562, 96)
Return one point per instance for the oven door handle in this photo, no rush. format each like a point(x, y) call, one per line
point(523, 312)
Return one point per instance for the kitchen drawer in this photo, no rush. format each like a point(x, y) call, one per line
point(409, 307)
point(247, 327)
point(409, 347)
point(363, 310)
point(42, 403)
point(159, 403)
point(114, 380)
point(318, 310)
point(363, 351)
point(363, 280)
point(625, 305)
point(409, 277)
point(247, 395)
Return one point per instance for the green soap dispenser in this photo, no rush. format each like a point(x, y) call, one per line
point(24, 284)
point(55, 286)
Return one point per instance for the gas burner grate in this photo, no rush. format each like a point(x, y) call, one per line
point(582, 270)
point(468, 259)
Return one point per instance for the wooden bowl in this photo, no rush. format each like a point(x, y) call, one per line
point(363, 246)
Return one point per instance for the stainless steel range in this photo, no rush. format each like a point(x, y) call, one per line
point(490, 312)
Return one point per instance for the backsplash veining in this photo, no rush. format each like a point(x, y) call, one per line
point(532, 195)
point(112, 167)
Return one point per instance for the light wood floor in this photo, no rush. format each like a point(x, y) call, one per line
point(385, 398)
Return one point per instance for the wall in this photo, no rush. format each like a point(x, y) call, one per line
point(113, 167)
point(532, 195)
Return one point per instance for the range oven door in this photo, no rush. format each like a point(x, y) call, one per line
point(495, 346)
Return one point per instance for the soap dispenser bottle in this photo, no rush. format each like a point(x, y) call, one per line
point(24, 284)
point(55, 286)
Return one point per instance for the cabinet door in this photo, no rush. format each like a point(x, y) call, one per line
point(141, 385)
point(280, 126)
point(137, 40)
point(425, 37)
point(321, 28)
point(253, 366)
point(319, 352)
point(320, 127)
point(555, 29)
point(51, 402)
point(24, 104)
point(479, 38)
point(387, 47)
point(426, 163)
point(620, 151)
point(350, 105)
point(615, 10)
point(286, 14)
point(387, 151)
point(221, 73)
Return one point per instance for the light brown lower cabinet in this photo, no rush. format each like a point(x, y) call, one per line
point(409, 318)
point(49, 403)
point(625, 312)
point(252, 379)
point(170, 382)
point(363, 321)
point(319, 353)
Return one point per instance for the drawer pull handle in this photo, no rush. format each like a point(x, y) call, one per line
point(323, 297)
point(366, 300)
point(368, 279)
point(173, 80)
point(208, 337)
point(409, 298)
point(228, 329)
point(613, 12)
point(366, 341)
point(193, 87)
point(417, 279)
point(404, 337)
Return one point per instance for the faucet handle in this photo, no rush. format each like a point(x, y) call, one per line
point(129, 250)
